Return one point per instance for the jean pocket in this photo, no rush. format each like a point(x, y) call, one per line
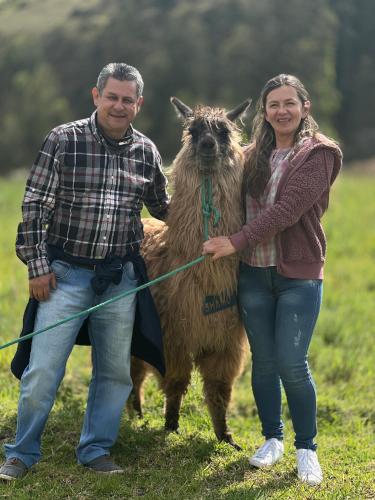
point(130, 273)
point(61, 269)
point(311, 282)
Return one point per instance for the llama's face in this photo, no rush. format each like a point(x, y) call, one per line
point(210, 140)
point(210, 134)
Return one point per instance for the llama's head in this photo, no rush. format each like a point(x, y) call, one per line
point(210, 134)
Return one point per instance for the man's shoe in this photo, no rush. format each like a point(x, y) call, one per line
point(13, 469)
point(308, 467)
point(268, 454)
point(104, 465)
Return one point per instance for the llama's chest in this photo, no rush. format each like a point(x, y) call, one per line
point(209, 324)
point(199, 305)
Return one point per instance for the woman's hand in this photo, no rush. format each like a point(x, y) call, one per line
point(218, 247)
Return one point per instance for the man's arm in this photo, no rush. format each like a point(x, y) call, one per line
point(157, 198)
point(37, 211)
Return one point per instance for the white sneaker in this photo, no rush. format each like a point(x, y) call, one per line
point(308, 467)
point(268, 454)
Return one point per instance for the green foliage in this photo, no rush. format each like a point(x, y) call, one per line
point(356, 75)
point(206, 51)
point(39, 103)
point(192, 465)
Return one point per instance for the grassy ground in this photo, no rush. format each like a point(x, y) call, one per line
point(192, 465)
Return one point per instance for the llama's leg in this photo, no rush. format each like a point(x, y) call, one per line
point(138, 374)
point(175, 384)
point(219, 371)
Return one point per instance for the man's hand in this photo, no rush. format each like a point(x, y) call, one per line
point(219, 247)
point(39, 288)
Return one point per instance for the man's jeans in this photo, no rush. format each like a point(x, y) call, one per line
point(110, 330)
point(279, 315)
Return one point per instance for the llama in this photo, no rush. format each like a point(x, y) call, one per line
point(197, 307)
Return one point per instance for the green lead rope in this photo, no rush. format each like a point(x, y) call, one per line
point(207, 207)
point(207, 210)
point(102, 304)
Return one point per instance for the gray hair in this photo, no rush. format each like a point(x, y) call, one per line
point(120, 71)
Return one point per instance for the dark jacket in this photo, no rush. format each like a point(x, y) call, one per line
point(147, 342)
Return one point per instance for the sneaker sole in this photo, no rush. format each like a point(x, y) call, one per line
point(10, 478)
point(260, 465)
point(254, 462)
point(311, 482)
point(107, 472)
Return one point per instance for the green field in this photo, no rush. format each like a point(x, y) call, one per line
point(192, 465)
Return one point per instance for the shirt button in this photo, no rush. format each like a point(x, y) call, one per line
point(104, 237)
point(107, 216)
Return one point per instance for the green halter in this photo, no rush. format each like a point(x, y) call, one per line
point(207, 207)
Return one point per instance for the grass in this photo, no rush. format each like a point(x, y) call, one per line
point(192, 465)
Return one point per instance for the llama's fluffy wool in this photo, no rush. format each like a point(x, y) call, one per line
point(215, 343)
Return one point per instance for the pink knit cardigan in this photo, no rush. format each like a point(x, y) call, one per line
point(301, 200)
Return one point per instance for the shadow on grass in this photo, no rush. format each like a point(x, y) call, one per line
point(7, 428)
point(250, 486)
point(157, 464)
point(63, 425)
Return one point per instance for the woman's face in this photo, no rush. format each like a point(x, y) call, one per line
point(284, 112)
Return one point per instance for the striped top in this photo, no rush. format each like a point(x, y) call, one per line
point(264, 254)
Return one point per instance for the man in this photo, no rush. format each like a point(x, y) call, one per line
point(80, 237)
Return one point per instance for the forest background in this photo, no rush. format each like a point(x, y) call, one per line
point(215, 52)
point(203, 51)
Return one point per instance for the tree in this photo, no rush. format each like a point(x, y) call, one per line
point(33, 108)
point(356, 76)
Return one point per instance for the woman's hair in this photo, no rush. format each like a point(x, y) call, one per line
point(257, 168)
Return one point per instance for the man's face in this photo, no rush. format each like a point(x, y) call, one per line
point(117, 106)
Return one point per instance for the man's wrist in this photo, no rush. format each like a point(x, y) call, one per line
point(38, 267)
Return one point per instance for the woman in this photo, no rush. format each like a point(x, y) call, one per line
point(289, 170)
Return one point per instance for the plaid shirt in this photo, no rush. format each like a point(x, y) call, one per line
point(86, 199)
point(264, 254)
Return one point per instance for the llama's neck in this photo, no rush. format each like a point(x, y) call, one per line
point(185, 219)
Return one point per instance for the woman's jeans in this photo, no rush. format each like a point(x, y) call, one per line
point(279, 315)
point(110, 330)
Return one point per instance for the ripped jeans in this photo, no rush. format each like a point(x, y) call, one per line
point(279, 315)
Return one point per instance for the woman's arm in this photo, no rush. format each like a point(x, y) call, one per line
point(304, 188)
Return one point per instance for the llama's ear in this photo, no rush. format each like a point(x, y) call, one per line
point(239, 111)
point(181, 109)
